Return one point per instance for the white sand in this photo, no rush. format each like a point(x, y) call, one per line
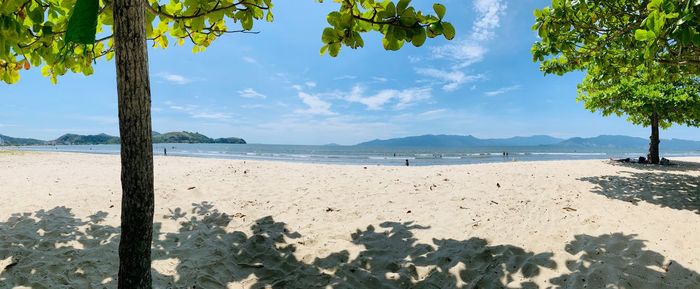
point(254, 224)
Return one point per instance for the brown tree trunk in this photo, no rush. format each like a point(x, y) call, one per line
point(654, 140)
point(134, 92)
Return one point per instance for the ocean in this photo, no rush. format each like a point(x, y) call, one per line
point(354, 155)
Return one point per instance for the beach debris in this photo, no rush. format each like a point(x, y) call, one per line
point(253, 265)
point(111, 206)
point(667, 266)
point(498, 185)
point(14, 263)
point(238, 215)
point(433, 186)
point(245, 172)
point(365, 168)
point(408, 212)
point(446, 180)
point(463, 208)
point(494, 202)
point(191, 188)
point(569, 209)
point(332, 209)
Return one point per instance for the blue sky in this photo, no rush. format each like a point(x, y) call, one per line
point(274, 87)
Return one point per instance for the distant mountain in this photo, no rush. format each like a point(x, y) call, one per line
point(75, 139)
point(11, 141)
point(603, 141)
point(455, 141)
point(621, 141)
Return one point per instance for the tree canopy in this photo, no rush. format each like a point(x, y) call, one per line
point(33, 32)
point(618, 36)
point(672, 102)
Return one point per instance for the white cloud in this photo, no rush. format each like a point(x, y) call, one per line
point(489, 14)
point(433, 112)
point(345, 77)
point(502, 90)
point(310, 84)
point(249, 59)
point(174, 78)
point(194, 111)
point(377, 101)
point(471, 50)
point(450, 79)
point(380, 79)
point(212, 115)
point(251, 93)
point(316, 106)
point(462, 54)
point(252, 106)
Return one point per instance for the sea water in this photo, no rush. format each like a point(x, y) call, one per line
point(358, 155)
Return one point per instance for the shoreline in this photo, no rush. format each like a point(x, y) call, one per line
point(246, 224)
point(377, 158)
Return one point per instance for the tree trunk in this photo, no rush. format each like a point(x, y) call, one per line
point(134, 93)
point(654, 140)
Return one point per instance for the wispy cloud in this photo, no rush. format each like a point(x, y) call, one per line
point(502, 90)
point(310, 84)
point(450, 80)
point(195, 111)
point(252, 106)
point(489, 14)
point(316, 106)
point(345, 77)
point(471, 50)
point(463, 54)
point(251, 93)
point(174, 78)
point(377, 101)
point(249, 59)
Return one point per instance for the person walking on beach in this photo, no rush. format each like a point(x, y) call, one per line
point(165, 151)
point(407, 164)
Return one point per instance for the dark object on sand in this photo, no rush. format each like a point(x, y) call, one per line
point(665, 162)
point(407, 164)
point(627, 160)
point(642, 160)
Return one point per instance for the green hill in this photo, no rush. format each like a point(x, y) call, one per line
point(11, 141)
point(76, 139)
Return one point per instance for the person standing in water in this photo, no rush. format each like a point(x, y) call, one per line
point(165, 151)
point(407, 164)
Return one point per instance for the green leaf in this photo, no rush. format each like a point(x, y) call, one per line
point(448, 30)
point(440, 10)
point(419, 38)
point(328, 35)
point(82, 25)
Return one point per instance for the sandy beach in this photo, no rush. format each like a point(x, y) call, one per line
point(260, 224)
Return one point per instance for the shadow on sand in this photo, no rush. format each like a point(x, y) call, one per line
point(677, 191)
point(54, 249)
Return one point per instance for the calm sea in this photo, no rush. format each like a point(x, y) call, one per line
point(370, 156)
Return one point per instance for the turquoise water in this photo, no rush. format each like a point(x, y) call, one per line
point(370, 156)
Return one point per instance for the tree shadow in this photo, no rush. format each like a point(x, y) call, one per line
point(620, 261)
point(677, 191)
point(54, 249)
point(675, 166)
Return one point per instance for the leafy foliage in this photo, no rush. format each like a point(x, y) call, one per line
point(618, 36)
point(673, 102)
point(33, 32)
